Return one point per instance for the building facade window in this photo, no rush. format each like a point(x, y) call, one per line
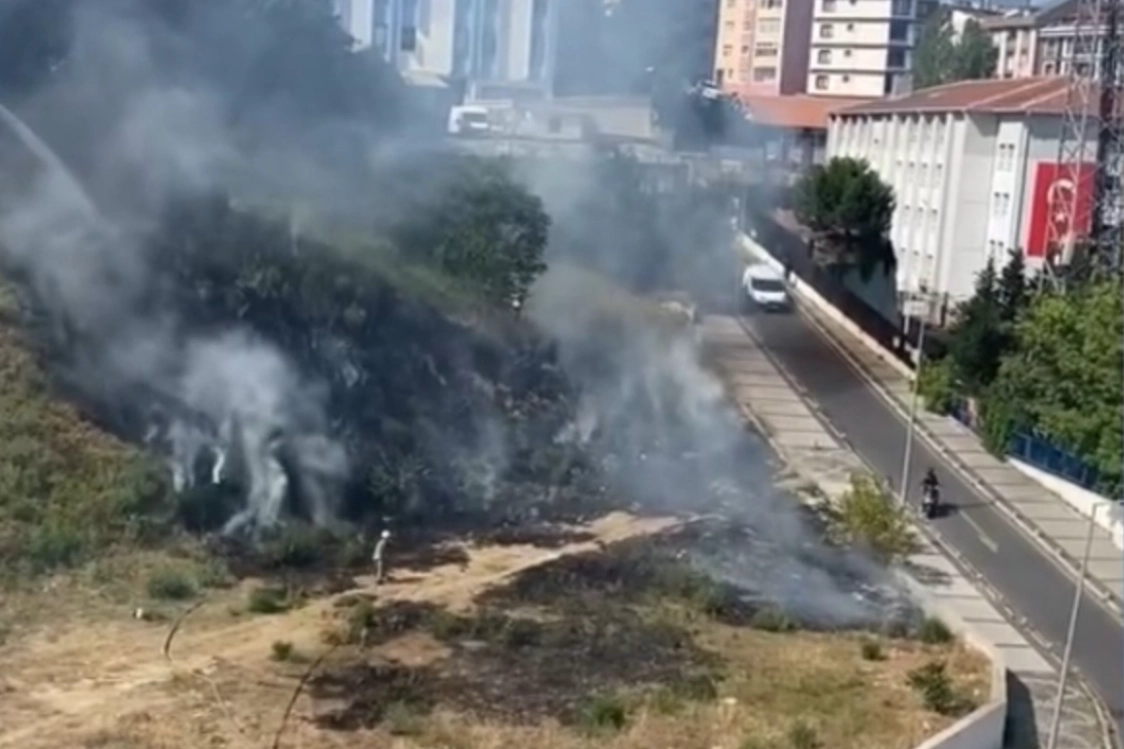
point(769, 25)
point(827, 31)
point(765, 50)
point(820, 83)
point(828, 6)
point(764, 75)
point(823, 56)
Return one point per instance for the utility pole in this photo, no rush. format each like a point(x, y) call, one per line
point(1071, 632)
point(914, 399)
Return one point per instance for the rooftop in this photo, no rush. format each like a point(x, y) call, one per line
point(1059, 10)
point(796, 111)
point(1012, 96)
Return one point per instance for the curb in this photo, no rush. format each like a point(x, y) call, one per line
point(1068, 564)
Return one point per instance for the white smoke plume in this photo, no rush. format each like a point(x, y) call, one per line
point(226, 398)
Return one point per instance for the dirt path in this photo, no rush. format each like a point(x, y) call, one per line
point(56, 692)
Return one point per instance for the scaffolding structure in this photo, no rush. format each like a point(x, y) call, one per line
point(1088, 207)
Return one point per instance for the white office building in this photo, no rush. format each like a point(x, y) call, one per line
point(974, 171)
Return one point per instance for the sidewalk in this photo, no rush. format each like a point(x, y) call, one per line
point(807, 446)
point(1040, 512)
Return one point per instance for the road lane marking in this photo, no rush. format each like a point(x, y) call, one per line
point(987, 540)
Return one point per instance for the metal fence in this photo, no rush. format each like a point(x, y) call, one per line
point(1046, 456)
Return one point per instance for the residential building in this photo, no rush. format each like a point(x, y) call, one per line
point(1040, 43)
point(493, 40)
point(975, 175)
point(762, 46)
point(864, 48)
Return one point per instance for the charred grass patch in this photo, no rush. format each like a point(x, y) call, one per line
point(628, 646)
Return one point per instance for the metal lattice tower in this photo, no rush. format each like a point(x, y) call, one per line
point(1092, 140)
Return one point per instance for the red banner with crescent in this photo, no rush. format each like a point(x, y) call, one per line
point(1061, 205)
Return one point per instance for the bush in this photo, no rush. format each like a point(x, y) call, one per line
point(803, 736)
point(932, 682)
point(868, 514)
point(604, 713)
point(871, 650)
point(171, 584)
point(268, 600)
point(770, 619)
point(401, 719)
point(933, 631)
point(937, 386)
point(282, 651)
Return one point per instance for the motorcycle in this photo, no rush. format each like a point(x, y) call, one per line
point(930, 500)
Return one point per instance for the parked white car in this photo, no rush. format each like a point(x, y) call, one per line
point(764, 288)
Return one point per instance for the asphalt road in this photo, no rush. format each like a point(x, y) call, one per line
point(1030, 582)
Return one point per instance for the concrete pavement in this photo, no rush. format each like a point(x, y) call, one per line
point(811, 446)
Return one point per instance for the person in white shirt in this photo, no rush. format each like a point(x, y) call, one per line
point(377, 557)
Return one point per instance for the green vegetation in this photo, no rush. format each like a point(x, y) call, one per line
point(935, 686)
point(933, 631)
point(849, 208)
point(941, 57)
point(66, 488)
point(268, 600)
point(1041, 362)
point(869, 515)
point(281, 650)
point(872, 650)
point(604, 713)
point(171, 583)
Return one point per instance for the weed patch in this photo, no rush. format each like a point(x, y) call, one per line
point(869, 516)
point(933, 684)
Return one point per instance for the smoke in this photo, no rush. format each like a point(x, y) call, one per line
point(223, 399)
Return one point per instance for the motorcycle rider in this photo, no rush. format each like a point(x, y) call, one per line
point(930, 486)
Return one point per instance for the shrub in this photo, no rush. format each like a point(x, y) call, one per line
point(937, 386)
point(770, 619)
point(869, 515)
point(268, 600)
point(282, 651)
point(604, 713)
point(872, 651)
point(300, 546)
point(171, 584)
point(933, 631)
point(932, 682)
point(401, 719)
point(361, 618)
point(803, 736)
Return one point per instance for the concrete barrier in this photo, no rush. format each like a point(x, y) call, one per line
point(1107, 513)
point(983, 728)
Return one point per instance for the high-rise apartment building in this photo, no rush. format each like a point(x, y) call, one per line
point(491, 40)
point(762, 46)
point(864, 47)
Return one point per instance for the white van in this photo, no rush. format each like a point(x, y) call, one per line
point(764, 288)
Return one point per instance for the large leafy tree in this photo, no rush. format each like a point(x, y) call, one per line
point(942, 58)
point(483, 228)
point(1064, 379)
point(849, 208)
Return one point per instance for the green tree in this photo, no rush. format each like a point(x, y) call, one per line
point(849, 208)
point(942, 58)
point(484, 228)
point(978, 339)
point(1013, 289)
point(1064, 379)
point(932, 59)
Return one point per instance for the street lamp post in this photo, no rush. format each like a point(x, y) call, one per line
point(1067, 653)
point(914, 396)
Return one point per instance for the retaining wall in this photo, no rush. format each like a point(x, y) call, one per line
point(1108, 513)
